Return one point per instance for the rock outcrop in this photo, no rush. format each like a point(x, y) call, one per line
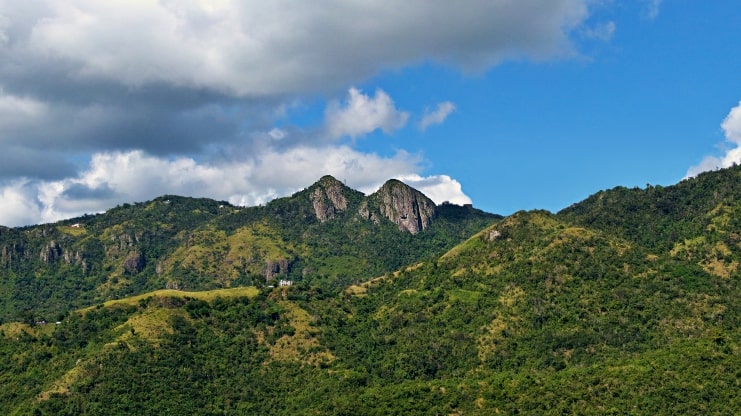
point(403, 205)
point(328, 198)
point(395, 201)
point(275, 267)
point(51, 251)
point(135, 262)
point(12, 253)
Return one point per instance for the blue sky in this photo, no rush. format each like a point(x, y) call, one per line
point(508, 104)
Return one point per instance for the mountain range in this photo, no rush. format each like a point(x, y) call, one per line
point(624, 303)
point(327, 235)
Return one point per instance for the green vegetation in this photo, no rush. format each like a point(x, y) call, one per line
point(622, 304)
point(200, 244)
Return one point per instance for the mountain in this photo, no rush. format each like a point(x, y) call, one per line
point(406, 207)
point(327, 235)
point(625, 303)
point(658, 216)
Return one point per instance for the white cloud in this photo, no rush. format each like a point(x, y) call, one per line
point(277, 134)
point(732, 125)
point(437, 116)
point(251, 47)
point(19, 204)
point(732, 129)
point(362, 114)
point(149, 90)
point(439, 188)
point(278, 166)
point(114, 178)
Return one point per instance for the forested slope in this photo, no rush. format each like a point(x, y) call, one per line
point(539, 313)
point(327, 236)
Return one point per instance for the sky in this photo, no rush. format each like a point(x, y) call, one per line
point(506, 104)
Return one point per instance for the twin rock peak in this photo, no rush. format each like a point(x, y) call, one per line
point(395, 201)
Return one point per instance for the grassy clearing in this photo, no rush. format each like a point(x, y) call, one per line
point(362, 288)
point(150, 325)
point(303, 345)
point(467, 296)
point(73, 231)
point(476, 241)
point(62, 385)
point(13, 330)
point(207, 295)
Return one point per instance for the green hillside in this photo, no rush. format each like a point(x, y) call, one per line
point(201, 244)
point(621, 304)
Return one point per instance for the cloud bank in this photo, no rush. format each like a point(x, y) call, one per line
point(732, 129)
point(192, 90)
point(116, 177)
point(251, 47)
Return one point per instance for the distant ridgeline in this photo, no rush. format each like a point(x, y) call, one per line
point(624, 303)
point(327, 235)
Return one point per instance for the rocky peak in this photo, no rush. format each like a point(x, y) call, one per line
point(405, 206)
point(328, 198)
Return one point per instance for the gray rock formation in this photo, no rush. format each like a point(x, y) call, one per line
point(135, 262)
point(328, 198)
point(275, 267)
point(13, 253)
point(51, 251)
point(403, 205)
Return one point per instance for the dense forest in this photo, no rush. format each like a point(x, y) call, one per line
point(624, 303)
point(326, 236)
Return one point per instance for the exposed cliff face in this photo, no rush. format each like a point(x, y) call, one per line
point(11, 253)
point(274, 268)
point(328, 198)
point(123, 242)
point(51, 251)
point(135, 262)
point(395, 201)
point(403, 205)
point(367, 213)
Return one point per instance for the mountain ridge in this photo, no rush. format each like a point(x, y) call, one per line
point(316, 236)
point(576, 312)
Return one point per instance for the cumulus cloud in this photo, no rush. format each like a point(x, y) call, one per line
point(255, 48)
point(732, 125)
point(80, 53)
point(116, 101)
point(361, 115)
point(732, 129)
point(439, 188)
point(19, 205)
point(195, 71)
point(437, 116)
point(114, 178)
